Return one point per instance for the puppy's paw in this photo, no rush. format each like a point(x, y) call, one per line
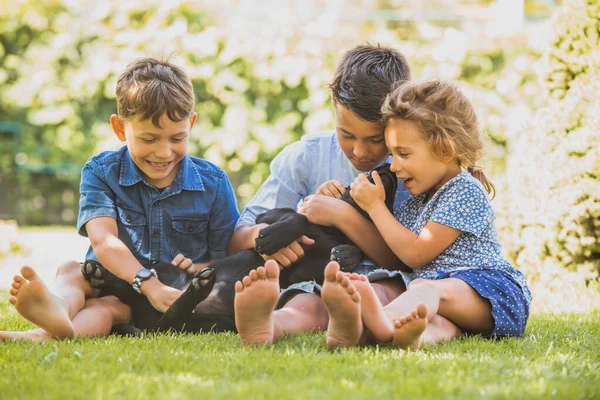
point(348, 256)
point(204, 279)
point(93, 272)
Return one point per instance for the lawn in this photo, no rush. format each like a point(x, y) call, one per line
point(559, 357)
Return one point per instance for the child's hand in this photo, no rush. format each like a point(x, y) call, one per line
point(321, 210)
point(181, 262)
point(366, 194)
point(288, 255)
point(160, 296)
point(331, 188)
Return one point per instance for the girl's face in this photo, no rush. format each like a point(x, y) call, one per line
point(413, 160)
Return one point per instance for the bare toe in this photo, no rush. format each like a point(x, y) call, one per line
point(261, 273)
point(28, 273)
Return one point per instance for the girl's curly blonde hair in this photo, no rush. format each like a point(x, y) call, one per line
point(447, 120)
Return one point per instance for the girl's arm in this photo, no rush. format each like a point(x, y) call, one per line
point(330, 211)
point(414, 250)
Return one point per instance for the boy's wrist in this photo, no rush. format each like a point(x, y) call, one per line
point(149, 285)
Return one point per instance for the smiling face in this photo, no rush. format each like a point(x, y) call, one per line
point(413, 160)
point(157, 152)
point(362, 141)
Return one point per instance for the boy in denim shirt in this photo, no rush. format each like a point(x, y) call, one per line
point(146, 203)
point(324, 164)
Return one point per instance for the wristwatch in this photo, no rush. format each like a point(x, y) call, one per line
point(142, 275)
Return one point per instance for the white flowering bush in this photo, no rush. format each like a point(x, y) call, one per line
point(551, 194)
point(260, 83)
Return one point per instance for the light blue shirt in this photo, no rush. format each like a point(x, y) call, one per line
point(299, 169)
point(461, 203)
point(194, 216)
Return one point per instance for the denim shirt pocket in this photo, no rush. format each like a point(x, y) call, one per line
point(132, 228)
point(188, 237)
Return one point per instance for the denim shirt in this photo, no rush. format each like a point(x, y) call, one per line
point(299, 169)
point(194, 216)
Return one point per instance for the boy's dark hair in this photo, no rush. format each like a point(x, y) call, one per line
point(365, 76)
point(149, 88)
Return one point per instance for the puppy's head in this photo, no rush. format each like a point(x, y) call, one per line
point(390, 184)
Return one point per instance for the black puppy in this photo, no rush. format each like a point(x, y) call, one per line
point(207, 303)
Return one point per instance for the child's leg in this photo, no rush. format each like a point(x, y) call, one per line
point(96, 318)
point(72, 287)
point(343, 304)
point(380, 320)
point(373, 297)
point(51, 310)
point(451, 298)
point(257, 320)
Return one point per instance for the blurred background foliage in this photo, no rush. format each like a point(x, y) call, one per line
point(261, 78)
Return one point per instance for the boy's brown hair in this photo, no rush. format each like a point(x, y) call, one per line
point(364, 76)
point(447, 120)
point(149, 88)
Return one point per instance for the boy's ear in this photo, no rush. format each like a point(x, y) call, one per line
point(117, 126)
point(193, 120)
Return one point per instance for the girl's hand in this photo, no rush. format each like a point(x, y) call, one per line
point(366, 194)
point(321, 210)
point(331, 188)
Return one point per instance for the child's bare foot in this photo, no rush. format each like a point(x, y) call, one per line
point(343, 304)
point(408, 329)
point(36, 303)
point(255, 299)
point(373, 316)
point(33, 335)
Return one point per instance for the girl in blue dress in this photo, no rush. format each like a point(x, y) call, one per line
point(444, 232)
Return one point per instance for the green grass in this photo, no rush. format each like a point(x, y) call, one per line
point(559, 357)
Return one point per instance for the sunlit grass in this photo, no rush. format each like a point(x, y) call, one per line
point(559, 357)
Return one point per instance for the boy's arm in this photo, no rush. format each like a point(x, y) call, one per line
point(114, 255)
point(284, 188)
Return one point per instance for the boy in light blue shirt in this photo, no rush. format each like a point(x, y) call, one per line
point(148, 202)
point(323, 164)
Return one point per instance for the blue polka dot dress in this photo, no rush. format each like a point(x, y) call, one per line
point(476, 255)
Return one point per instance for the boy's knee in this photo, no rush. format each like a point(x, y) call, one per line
point(69, 268)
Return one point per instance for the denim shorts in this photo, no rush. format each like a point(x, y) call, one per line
point(366, 267)
point(510, 306)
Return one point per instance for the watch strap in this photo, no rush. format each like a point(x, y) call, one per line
point(137, 281)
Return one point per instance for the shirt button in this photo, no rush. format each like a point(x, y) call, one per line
point(128, 218)
point(154, 262)
point(190, 228)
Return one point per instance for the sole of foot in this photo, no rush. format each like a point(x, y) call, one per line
point(34, 335)
point(376, 321)
point(342, 301)
point(36, 303)
point(408, 329)
point(255, 299)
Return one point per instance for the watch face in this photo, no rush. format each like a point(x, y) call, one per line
point(144, 274)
